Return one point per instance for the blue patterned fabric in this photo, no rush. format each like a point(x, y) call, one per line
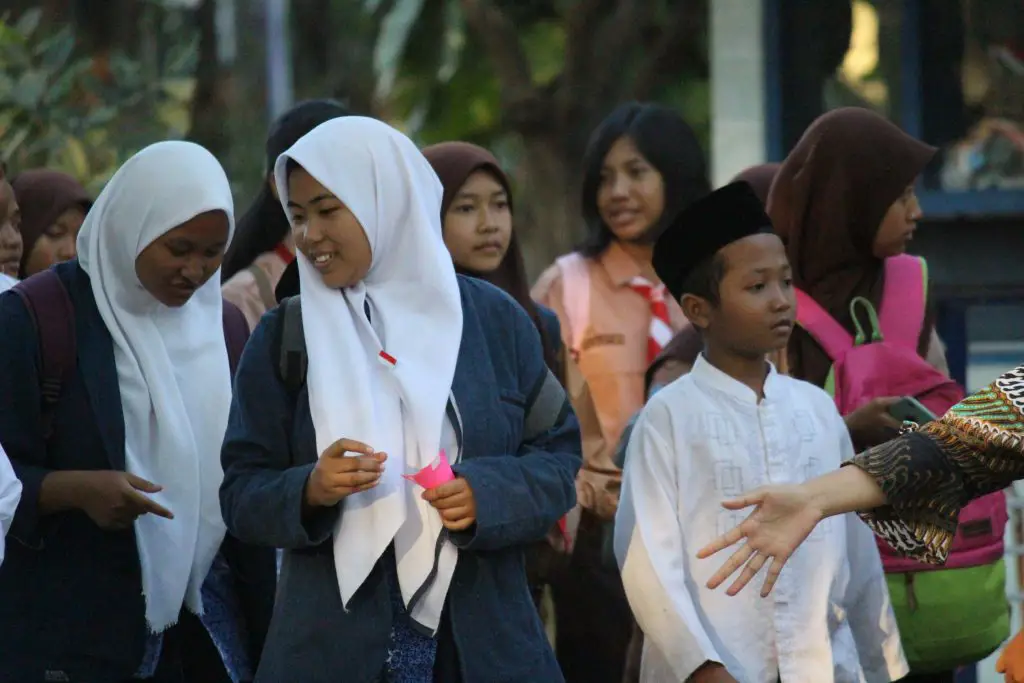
point(410, 653)
point(222, 617)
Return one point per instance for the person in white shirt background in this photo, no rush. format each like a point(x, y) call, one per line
point(10, 234)
point(732, 424)
point(10, 495)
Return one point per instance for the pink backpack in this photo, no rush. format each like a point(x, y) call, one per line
point(883, 361)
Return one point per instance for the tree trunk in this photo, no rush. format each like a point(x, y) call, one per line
point(549, 196)
point(209, 101)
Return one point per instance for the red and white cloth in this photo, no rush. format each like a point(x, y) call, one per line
point(660, 332)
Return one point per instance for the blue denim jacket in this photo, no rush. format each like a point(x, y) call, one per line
point(521, 453)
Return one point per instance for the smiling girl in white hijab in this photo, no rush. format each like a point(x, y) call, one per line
point(384, 580)
point(120, 524)
point(415, 315)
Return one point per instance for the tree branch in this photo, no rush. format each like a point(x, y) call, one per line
point(499, 37)
point(580, 21)
point(382, 10)
point(675, 39)
point(619, 37)
point(208, 105)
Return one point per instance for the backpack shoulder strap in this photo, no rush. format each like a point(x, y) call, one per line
point(263, 286)
point(904, 299)
point(291, 345)
point(49, 305)
point(833, 338)
point(575, 297)
point(236, 334)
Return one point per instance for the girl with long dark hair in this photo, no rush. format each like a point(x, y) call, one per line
point(263, 248)
point(642, 166)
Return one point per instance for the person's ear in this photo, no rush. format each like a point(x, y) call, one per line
point(697, 310)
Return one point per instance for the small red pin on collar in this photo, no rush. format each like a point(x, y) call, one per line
point(387, 359)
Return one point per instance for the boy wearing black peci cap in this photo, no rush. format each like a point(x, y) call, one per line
point(729, 426)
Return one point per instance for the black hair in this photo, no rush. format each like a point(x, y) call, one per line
point(264, 225)
point(667, 142)
point(705, 279)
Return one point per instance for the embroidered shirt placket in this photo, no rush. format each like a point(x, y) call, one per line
point(777, 471)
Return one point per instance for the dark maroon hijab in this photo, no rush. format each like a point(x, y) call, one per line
point(827, 203)
point(760, 178)
point(43, 195)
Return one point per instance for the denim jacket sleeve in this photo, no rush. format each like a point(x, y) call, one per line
point(262, 493)
point(520, 496)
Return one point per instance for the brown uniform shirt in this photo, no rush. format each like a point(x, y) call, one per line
point(253, 296)
point(606, 381)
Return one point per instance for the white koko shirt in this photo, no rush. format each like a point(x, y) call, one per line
point(706, 438)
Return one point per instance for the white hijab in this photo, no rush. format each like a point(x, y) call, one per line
point(10, 495)
point(172, 365)
point(413, 295)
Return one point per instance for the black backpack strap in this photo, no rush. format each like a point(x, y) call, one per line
point(236, 334)
point(291, 345)
point(49, 305)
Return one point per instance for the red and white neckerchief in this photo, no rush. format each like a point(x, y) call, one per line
point(660, 332)
point(284, 253)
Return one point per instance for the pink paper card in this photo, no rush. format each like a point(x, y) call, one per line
point(433, 475)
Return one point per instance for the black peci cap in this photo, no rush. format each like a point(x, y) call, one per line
point(703, 228)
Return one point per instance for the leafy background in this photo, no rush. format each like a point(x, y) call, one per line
point(86, 83)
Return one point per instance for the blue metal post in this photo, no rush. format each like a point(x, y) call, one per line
point(951, 323)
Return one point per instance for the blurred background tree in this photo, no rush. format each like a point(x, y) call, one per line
point(63, 109)
point(85, 83)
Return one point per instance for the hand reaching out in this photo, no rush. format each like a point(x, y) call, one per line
point(783, 519)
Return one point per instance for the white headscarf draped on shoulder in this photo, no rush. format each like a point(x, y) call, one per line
point(10, 495)
point(414, 300)
point(172, 365)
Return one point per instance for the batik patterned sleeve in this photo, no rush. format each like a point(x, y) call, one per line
point(929, 474)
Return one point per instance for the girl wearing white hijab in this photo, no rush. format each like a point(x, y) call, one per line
point(383, 580)
point(120, 523)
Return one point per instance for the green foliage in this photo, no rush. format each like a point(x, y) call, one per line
point(447, 88)
point(56, 112)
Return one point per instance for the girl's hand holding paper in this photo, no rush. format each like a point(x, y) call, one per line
point(337, 474)
point(450, 495)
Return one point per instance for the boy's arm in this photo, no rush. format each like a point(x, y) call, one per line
point(652, 557)
point(867, 598)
